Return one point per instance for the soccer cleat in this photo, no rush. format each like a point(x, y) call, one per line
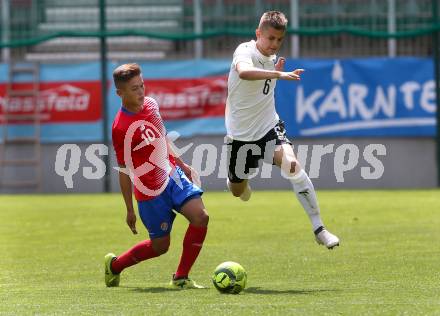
point(324, 237)
point(184, 283)
point(246, 195)
point(111, 279)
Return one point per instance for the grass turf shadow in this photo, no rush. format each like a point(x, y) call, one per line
point(259, 290)
point(156, 289)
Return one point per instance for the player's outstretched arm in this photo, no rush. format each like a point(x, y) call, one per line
point(249, 72)
point(298, 72)
point(291, 75)
point(127, 193)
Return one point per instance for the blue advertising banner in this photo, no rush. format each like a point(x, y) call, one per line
point(347, 97)
point(359, 97)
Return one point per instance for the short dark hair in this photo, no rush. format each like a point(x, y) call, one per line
point(274, 19)
point(124, 73)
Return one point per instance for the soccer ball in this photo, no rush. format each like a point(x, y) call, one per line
point(229, 277)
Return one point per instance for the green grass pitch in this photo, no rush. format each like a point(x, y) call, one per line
point(52, 249)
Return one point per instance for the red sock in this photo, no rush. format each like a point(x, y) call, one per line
point(139, 252)
point(192, 244)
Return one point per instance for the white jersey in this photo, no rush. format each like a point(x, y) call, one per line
point(250, 106)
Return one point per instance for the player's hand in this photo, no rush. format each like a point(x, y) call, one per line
point(279, 66)
point(131, 221)
point(292, 75)
point(298, 72)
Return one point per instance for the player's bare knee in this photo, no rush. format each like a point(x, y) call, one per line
point(160, 245)
point(161, 249)
point(238, 189)
point(237, 193)
point(201, 220)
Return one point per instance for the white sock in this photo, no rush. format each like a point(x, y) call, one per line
point(305, 192)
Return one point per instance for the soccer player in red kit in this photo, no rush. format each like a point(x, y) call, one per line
point(161, 182)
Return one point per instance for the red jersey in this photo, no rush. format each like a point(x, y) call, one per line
point(139, 140)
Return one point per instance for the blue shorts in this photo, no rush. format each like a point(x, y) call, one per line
point(157, 214)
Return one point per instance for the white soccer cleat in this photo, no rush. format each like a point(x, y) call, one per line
point(246, 195)
point(324, 237)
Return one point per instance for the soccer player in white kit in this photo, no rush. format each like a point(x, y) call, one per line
point(254, 130)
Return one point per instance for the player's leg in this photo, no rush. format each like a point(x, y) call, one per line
point(143, 250)
point(240, 189)
point(239, 162)
point(114, 265)
point(195, 212)
point(285, 158)
point(187, 201)
point(157, 216)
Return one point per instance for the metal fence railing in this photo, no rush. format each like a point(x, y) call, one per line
point(157, 29)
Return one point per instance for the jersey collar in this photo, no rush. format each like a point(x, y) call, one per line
point(126, 111)
point(260, 56)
